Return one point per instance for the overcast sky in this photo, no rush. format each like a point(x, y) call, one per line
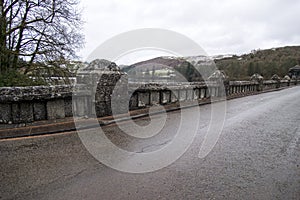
point(219, 27)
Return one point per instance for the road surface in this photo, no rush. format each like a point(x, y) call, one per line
point(256, 157)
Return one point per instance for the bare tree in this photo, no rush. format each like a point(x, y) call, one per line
point(38, 31)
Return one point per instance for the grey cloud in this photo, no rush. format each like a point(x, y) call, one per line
point(219, 26)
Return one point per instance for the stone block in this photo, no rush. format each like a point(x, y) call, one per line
point(143, 99)
point(81, 106)
point(166, 97)
point(154, 98)
point(22, 112)
point(196, 94)
point(189, 94)
point(174, 96)
point(202, 93)
point(39, 111)
point(56, 109)
point(68, 107)
point(5, 113)
point(182, 95)
point(208, 92)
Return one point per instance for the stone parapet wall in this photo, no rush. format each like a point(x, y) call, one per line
point(28, 104)
point(21, 105)
point(143, 95)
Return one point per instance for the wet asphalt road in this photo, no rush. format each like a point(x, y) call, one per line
point(256, 157)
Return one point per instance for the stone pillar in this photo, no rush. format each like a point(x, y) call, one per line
point(220, 78)
point(112, 94)
point(108, 87)
point(276, 78)
point(288, 79)
point(260, 80)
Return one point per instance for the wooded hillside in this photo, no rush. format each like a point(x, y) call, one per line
point(265, 62)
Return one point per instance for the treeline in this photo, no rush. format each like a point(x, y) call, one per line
point(265, 62)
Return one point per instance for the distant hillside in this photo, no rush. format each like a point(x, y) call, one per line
point(266, 62)
point(163, 68)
